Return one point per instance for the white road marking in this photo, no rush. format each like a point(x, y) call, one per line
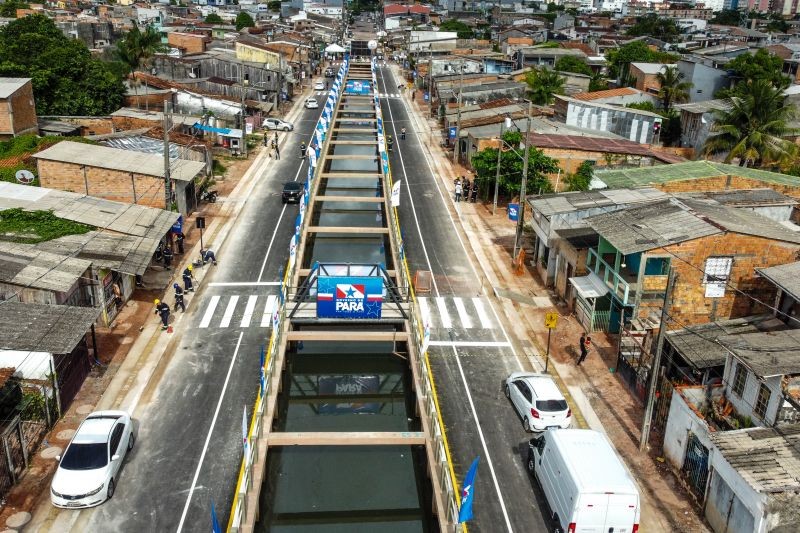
point(425, 311)
point(248, 310)
point(466, 321)
point(245, 284)
point(436, 289)
point(484, 318)
point(212, 305)
point(226, 318)
point(208, 435)
point(472, 344)
point(443, 314)
point(266, 320)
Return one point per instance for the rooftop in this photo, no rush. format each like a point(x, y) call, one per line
point(774, 353)
point(741, 221)
point(649, 68)
point(608, 93)
point(690, 170)
point(767, 458)
point(9, 86)
point(579, 238)
point(117, 159)
point(44, 328)
point(698, 344)
point(631, 110)
point(787, 277)
point(743, 197)
point(130, 219)
point(599, 144)
point(655, 225)
point(570, 202)
point(25, 266)
point(704, 107)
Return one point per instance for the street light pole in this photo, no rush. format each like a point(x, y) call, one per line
point(497, 174)
point(458, 114)
point(521, 208)
point(430, 81)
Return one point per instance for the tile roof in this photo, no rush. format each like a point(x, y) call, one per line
point(689, 170)
point(599, 144)
point(767, 458)
point(656, 225)
point(44, 328)
point(787, 277)
point(608, 93)
point(585, 48)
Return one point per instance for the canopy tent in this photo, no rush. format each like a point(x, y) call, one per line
point(334, 49)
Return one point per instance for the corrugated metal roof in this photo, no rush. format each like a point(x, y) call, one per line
point(44, 328)
point(599, 144)
point(569, 202)
point(116, 159)
point(772, 353)
point(741, 221)
point(26, 266)
point(787, 277)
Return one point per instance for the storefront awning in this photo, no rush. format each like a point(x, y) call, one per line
point(590, 286)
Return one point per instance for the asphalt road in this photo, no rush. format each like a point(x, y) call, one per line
point(189, 443)
point(470, 352)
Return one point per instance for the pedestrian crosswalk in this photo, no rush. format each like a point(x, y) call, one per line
point(388, 95)
point(453, 312)
point(238, 311)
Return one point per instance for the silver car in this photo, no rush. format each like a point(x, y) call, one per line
point(277, 124)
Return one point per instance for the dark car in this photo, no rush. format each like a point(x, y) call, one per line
point(292, 192)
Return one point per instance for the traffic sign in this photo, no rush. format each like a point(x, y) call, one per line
point(550, 320)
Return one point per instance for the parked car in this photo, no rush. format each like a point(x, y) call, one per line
point(87, 472)
point(319, 86)
point(584, 482)
point(292, 192)
point(311, 103)
point(538, 401)
point(329, 73)
point(277, 124)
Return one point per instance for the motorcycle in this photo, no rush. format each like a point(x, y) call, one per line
point(209, 196)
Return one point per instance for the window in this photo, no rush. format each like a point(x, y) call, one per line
point(718, 270)
point(525, 390)
point(762, 400)
point(739, 378)
point(116, 437)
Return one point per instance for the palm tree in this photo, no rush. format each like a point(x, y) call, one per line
point(138, 48)
point(754, 127)
point(543, 84)
point(673, 89)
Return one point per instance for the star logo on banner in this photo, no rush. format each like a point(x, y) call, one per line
point(373, 310)
point(350, 292)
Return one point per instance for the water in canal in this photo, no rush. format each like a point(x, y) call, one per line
point(347, 386)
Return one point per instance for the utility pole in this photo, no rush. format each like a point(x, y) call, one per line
point(245, 83)
point(521, 208)
point(167, 170)
point(458, 113)
point(497, 174)
point(655, 368)
point(430, 80)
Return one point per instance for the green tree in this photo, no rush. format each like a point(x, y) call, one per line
point(213, 18)
point(644, 106)
point(582, 178)
point(652, 25)
point(573, 64)
point(727, 17)
point(620, 59)
point(673, 89)
point(9, 8)
point(244, 20)
point(511, 164)
point(750, 67)
point(274, 5)
point(463, 31)
point(543, 84)
point(67, 80)
point(754, 127)
point(137, 49)
point(598, 83)
point(670, 127)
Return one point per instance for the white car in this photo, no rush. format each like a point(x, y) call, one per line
point(319, 86)
point(311, 103)
point(538, 401)
point(87, 472)
point(277, 124)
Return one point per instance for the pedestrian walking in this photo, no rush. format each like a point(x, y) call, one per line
point(413, 96)
point(458, 191)
point(465, 187)
point(585, 343)
point(389, 142)
point(474, 195)
point(162, 310)
point(179, 238)
point(167, 257)
point(403, 134)
point(179, 298)
point(187, 279)
point(302, 150)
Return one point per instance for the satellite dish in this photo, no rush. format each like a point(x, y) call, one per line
point(372, 45)
point(25, 177)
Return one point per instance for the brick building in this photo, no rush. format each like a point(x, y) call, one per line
point(188, 43)
point(646, 75)
point(114, 174)
point(17, 108)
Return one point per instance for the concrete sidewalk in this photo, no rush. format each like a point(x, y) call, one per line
point(603, 403)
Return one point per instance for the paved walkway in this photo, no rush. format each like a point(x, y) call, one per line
point(603, 401)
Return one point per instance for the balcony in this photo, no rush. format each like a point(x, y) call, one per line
point(622, 284)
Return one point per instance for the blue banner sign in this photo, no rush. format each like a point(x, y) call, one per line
point(177, 227)
point(361, 87)
point(513, 212)
point(426, 96)
point(452, 132)
point(349, 297)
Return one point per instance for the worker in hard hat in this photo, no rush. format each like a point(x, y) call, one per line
point(162, 310)
point(179, 297)
point(187, 279)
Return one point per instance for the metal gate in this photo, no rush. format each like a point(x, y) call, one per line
point(15, 448)
point(695, 466)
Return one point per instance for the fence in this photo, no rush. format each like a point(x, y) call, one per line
point(443, 465)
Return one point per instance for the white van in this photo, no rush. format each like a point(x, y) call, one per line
point(587, 486)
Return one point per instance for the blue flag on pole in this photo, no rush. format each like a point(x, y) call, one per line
point(467, 493)
point(215, 528)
